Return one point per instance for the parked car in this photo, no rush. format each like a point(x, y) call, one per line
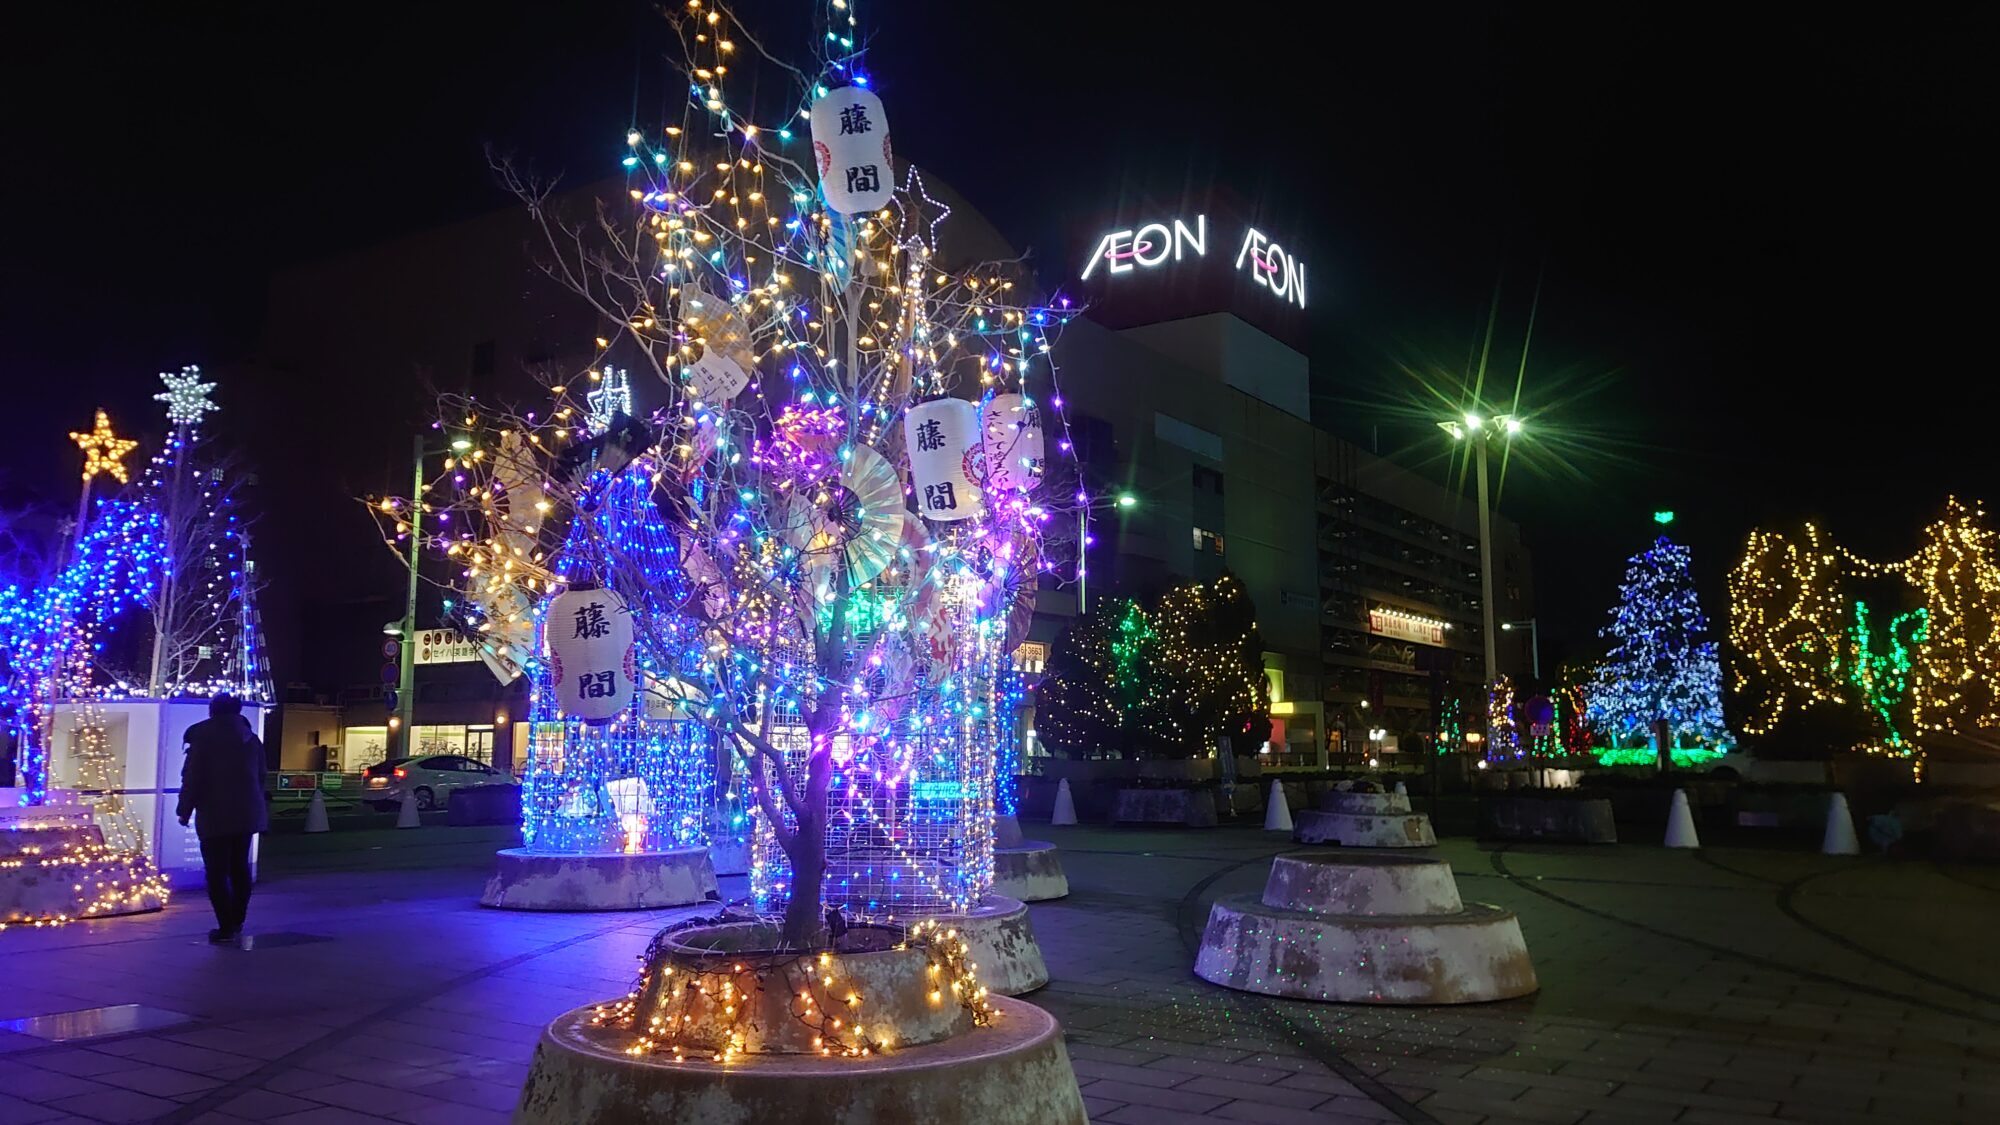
point(430, 778)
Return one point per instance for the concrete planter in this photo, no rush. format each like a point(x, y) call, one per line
point(1363, 829)
point(1015, 1072)
point(1369, 928)
point(1550, 819)
point(1192, 808)
point(1000, 940)
point(526, 880)
point(1032, 872)
point(928, 1061)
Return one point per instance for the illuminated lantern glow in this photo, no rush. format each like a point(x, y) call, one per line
point(943, 440)
point(851, 143)
point(1012, 437)
point(588, 635)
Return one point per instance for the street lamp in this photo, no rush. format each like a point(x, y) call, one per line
point(1123, 500)
point(1471, 427)
point(1534, 642)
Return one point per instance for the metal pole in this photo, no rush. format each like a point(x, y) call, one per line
point(1535, 648)
point(1486, 607)
point(406, 679)
point(1082, 558)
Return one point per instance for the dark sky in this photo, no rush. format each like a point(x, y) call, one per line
point(1760, 240)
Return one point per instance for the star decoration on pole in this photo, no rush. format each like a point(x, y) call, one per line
point(612, 397)
point(103, 451)
point(186, 397)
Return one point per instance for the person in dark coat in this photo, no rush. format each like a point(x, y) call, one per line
point(222, 788)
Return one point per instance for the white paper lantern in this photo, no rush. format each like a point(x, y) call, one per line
point(588, 635)
point(1012, 437)
point(851, 141)
point(942, 436)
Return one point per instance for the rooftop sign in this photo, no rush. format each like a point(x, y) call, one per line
point(1168, 245)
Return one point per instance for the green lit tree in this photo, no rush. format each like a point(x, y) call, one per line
point(1078, 708)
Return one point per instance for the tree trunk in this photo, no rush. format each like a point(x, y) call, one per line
point(805, 922)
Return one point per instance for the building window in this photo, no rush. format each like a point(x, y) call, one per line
point(1206, 540)
point(1206, 479)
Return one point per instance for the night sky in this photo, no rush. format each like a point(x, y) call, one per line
point(1760, 242)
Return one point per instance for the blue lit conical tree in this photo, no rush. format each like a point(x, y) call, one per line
point(1661, 667)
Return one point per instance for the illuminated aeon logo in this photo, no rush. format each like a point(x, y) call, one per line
point(1156, 244)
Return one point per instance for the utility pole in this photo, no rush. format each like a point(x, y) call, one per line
point(406, 679)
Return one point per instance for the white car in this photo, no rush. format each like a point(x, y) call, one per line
point(430, 778)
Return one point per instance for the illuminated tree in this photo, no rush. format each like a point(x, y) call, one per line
point(1078, 706)
point(1207, 678)
point(1660, 669)
point(845, 608)
point(1787, 617)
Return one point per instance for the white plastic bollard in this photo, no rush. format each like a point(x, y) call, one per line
point(1277, 813)
point(1401, 790)
point(316, 814)
point(1840, 839)
point(1680, 823)
point(407, 816)
point(1065, 805)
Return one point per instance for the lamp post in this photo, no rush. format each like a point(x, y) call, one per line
point(1534, 643)
point(1477, 430)
point(406, 672)
point(1083, 508)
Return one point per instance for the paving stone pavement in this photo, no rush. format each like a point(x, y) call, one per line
point(1726, 985)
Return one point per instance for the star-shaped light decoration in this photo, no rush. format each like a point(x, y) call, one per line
point(921, 219)
point(611, 397)
point(186, 397)
point(103, 451)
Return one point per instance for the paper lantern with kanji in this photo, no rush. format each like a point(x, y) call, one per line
point(588, 638)
point(851, 142)
point(1012, 436)
point(942, 437)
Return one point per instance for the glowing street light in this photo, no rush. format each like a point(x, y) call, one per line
point(1474, 428)
point(1124, 501)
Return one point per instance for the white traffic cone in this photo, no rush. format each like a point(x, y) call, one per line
point(1065, 805)
point(1680, 823)
point(407, 817)
point(1839, 829)
point(316, 814)
point(1401, 790)
point(1277, 813)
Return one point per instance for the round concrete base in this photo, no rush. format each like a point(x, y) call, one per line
point(730, 857)
point(1473, 955)
point(1364, 830)
point(1001, 942)
point(526, 880)
point(1013, 1072)
point(1334, 800)
point(1031, 871)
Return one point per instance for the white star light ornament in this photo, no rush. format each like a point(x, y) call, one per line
point(186, 396)
point(612, 396)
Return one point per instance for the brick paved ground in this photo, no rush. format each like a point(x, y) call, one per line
point(1722, 986)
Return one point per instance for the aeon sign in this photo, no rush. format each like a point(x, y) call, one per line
point(1155, 245)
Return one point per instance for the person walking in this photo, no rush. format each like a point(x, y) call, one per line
point(222, 788)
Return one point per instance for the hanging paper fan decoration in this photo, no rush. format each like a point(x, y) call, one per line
point(890, 678)
point(727, 358)
point(706, 588)
point(519, 509)
point(856, 518)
